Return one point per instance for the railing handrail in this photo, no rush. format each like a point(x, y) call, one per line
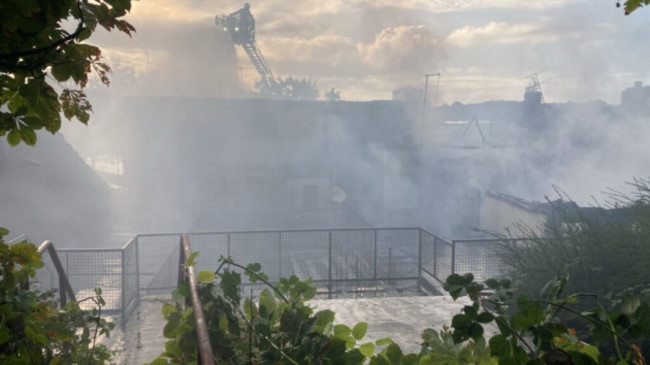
point(63, 277)
point(205, 349)
point(445, 240)
point(172, 234)
point(22, 237)
point(492, 240)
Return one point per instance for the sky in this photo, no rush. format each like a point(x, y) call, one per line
point(483, 49)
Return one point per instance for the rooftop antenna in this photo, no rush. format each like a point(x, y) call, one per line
point(535, 87)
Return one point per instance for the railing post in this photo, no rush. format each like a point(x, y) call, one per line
point(63, 277)
point(390, 263)
point(137, 267)
point(435, 257)
point(62, 296)
point(123, 290)
point(375, 255)
point(181, 263)
point(420, 254)
point(453, 256)
point(228, 245)
point(329, 269)
point(279, 255)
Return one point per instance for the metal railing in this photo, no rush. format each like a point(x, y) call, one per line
point(65, 289)
point(337, 260)
point(185, 271)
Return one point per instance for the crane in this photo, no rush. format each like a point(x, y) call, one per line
point(241, 26)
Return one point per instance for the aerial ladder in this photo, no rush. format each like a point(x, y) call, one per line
point(241, 26)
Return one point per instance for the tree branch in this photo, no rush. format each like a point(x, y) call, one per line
point(51, 46)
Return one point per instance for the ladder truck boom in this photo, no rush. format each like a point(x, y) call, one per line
point(241, 26)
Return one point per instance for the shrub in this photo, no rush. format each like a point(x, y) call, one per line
point(279, 328)
point(32, 329)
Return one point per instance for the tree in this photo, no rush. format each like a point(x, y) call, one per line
point(604, 251)
point(44, 67)
point(296, 89)
point(632, 5)
point(333, 95)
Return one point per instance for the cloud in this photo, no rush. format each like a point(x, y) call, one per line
point(543, 31)
point(403, 49)
point(322, 55)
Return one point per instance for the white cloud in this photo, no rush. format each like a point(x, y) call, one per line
point(410, 49)
point(543, 31)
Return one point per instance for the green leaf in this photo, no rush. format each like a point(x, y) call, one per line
point(394, 354)
point(13, 137)
point(189, 261)
point(205, 276)
point(530, 314)
point(367, 349)
point(630, 304)
point(28, 135)
point(384, 341)
point(500, 346)
point(579, 358)
point(460, 321)
point(230, 283)
point(5, 334)
point(267, 304)
point(159, 361)
point(342, 331)
point(484, 317)
point(61, 72)
point(492, 283)
point(323, 319)
point(359, 330)
point(167, 309)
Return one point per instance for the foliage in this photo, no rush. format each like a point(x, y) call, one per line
point(32, 329)
point(531, 332)
point(333, 95)
point(44, 67)
point(278, 327)
point(289, 88)
point(604, 251)
point(632, 5)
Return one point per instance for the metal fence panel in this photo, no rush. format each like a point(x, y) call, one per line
point(210, 246)
point(90, 269)
point(397, 253)
point(47, 278)
point(257, 247)
point(130, 284)
point(304, 254)
point(158, 257)
point(353, 254)
point(478, 257)
point(345, 260)
point(427, 252)
point(437, 256)
point(444, 259)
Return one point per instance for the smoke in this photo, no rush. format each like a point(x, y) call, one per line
point(192, 147)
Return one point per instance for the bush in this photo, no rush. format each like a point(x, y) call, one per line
point(279, 328)
point(32, 329)
point(603, 251)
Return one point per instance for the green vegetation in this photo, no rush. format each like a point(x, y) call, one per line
point(44, 67)
point(603, 251)
point(631, 5)
point(32, 329)
point(278, 327)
